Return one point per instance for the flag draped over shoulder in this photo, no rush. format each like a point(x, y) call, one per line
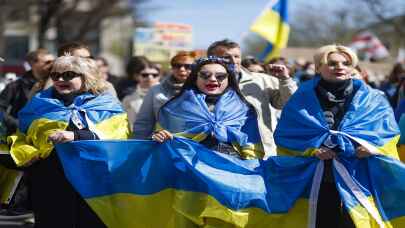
point(272, 25)
point(44, 115)
point(180, 183)
point(372, 189)
point(232, 121)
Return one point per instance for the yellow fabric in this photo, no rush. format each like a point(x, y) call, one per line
point(251, 151)
point(269, 26)
point(286, 152)
point(390, 148)
point(114, 127)
point(35, 144)
point(181, 209)
point(362, 219)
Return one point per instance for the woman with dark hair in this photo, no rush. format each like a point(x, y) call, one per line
point(158, 95)
point(211, 110)
point(135, 65)
point(144, 75)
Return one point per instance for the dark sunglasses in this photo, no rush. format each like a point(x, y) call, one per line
point(207, 75)
point(179, 65)
point(335, 63)
point(66, 76)
point(145, 75)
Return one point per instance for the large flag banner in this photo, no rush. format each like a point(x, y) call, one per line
point(180, 183)
point(272, 25)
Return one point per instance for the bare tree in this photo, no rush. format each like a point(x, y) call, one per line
point(384, 11)
point(72, 19)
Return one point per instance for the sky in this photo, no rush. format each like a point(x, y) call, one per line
point(211, 19)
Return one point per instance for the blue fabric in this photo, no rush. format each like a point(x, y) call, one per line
point(369, 117)
point(43, 105)
point(232, 120)
point(303, 126)
point(99, 168)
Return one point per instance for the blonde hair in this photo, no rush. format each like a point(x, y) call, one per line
point(322, 54)
point(92, 78)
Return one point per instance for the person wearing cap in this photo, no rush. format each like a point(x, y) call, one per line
point(158, 95)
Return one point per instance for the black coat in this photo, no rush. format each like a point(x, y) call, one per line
point(54, 200)
point(13, 98)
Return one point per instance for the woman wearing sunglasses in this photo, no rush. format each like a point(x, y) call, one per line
point(75, 108)
point(146, 75)
point(211, 110)
point(158, 95)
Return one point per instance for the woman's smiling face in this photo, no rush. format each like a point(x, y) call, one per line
point(212, 79)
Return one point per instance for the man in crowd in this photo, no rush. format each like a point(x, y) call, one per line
point(17, 93)
point(266, 93)
point(12, 99)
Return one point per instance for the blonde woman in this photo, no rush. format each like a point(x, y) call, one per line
point(75, 108)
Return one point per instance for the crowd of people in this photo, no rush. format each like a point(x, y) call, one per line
point(229, 104)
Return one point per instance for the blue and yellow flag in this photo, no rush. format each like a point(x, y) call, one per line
point(232, 121)
point(371, 188)
point(181, 183)
point(272, 25)
point(43, 115)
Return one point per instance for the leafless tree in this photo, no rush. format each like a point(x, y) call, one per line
point(384, 12)
point(72, 19)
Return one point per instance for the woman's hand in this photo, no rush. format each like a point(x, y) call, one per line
point(362, 152)
point(61, 137)
point(325, 153)
point(162, 135)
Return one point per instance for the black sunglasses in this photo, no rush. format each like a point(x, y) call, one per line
point(179, 65)
point(66, 76)
point(145, 75)
point(205, 75)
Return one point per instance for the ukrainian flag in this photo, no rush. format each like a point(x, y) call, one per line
point(372, 189)
point(181, 183)
point(273, 26)
point(44, 115)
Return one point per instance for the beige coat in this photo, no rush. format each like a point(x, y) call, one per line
point(268, 95)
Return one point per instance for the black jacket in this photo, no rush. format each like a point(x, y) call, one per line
point(13, 98)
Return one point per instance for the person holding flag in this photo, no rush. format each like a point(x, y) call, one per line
point(77, 107)
point(351, 128)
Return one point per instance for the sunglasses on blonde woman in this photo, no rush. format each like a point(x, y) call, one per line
point(66, 76)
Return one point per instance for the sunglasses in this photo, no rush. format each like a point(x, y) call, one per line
point(335, 63)
point(146, 75)
point(66, 76)
point(179, 65)
point(219, 76)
